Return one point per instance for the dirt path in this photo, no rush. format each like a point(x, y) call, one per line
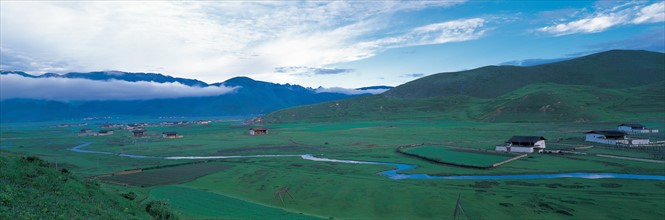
point(630, 158)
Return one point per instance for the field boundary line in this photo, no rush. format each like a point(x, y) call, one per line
point(630, 158)
point(509, 160)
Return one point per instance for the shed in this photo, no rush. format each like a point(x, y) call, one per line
point(258, 131)
point(523, 144)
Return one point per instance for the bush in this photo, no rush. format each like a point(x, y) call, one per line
point(159, 210)
point(129, 195)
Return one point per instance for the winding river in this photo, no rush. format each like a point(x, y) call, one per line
point(394, 173)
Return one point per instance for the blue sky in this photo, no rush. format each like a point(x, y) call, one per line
point(332, 44)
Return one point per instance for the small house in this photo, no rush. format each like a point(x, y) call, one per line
point(171, 134)
point(105, 132)
point(258, 131)
point(635, 128)
point(523, 144)
point(138, 132)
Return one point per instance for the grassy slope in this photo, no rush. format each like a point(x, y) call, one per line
point(544, 102)
point(611, 69)
point(32, 189)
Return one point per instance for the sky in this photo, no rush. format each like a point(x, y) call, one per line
point(342, 44)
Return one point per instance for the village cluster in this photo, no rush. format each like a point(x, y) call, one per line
point(536, 144)
point(139, 129)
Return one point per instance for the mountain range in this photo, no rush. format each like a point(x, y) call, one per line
point(617, 85)
point(250, 97)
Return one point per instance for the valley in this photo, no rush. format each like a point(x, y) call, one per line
point(322, 189)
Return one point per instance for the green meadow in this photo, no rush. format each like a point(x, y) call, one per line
point(244, 188)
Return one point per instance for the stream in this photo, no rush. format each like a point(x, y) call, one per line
point(394, 173)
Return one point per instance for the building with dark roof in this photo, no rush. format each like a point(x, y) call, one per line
point(523, 144)
point(635, 128)
point(139, 132)
point(171, 134)
point(614, 137)
point(105, 132)
point(258, 131)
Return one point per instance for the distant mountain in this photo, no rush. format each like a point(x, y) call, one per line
point(116, 75)
point(616, 85)
point(250, 98)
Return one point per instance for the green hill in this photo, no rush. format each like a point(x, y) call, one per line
point(611, 69)
point(610, 86)
point(30, 188)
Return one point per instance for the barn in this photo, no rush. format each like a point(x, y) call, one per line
point(258, 131)
point(523, 144)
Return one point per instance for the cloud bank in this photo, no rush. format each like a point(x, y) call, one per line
point(627, 14)
point(350, 91)
point(65, 89)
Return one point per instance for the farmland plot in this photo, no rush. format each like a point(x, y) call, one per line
point(166, 176)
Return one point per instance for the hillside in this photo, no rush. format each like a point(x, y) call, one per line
point(615, 85)
point(611, 69)
point(33, 189)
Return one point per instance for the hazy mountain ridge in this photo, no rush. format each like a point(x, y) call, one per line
point(251, 97)
point(613, 85)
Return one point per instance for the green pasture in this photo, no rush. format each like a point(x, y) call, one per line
point(354, 190)
point(350, 191)
point(459, 157)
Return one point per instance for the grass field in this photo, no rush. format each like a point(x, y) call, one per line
point(355, 190)
point(196, 203)
point(458, 157)
point(166, 176)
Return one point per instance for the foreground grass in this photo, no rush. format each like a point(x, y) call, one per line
point(32, 189)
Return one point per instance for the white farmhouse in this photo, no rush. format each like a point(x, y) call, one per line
point(614, 137)
point(635, 128)
point(523, 144)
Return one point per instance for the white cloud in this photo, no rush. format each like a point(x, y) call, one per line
point(651, 13)
point(349, 91)
point(586, 25)
point(603, 19)
point(66, 89)
point(208, 40)
point(438, 33)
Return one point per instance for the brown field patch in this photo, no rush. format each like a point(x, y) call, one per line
point(169, 175)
